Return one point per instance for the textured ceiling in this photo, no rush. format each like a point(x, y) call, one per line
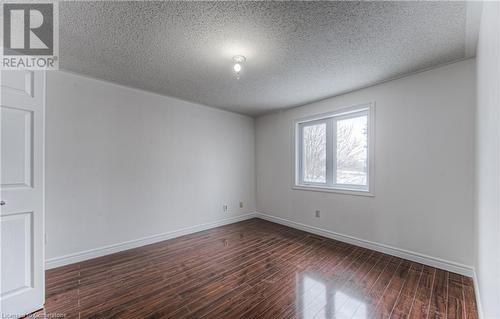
point(297, 52)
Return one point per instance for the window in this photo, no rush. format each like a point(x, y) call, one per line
point(333, 151)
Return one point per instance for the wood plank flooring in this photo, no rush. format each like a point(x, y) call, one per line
point(255, 269)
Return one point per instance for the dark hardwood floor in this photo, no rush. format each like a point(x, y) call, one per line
point(255, 269)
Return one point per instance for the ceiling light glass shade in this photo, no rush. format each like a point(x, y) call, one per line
point(238, 64)
point(237, 67)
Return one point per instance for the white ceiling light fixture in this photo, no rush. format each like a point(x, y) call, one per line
point(238, 60)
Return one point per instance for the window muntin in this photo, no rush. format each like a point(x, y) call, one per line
point(333, 151)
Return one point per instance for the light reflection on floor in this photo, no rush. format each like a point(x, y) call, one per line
point(318, 299)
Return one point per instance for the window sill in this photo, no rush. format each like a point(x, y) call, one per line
point(333, 190)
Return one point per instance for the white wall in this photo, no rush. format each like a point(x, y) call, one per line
point(424, 166)
point(122, 164)
point(488, 160)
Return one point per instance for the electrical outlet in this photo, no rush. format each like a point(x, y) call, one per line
point(225, 208)
point(241, 204)
point(318, 214)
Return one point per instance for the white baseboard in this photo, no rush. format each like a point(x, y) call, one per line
point(110, 249)
point(386, 249)
point(398, 252)
point(479, 305)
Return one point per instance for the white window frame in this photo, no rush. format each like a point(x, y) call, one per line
point(330, 185)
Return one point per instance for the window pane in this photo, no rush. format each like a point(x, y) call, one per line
point(352, 151)
point(314, 153)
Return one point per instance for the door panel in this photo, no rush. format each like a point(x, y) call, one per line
point(18, 82)
point(22, 96)
point(17, 253)
point(17, 148)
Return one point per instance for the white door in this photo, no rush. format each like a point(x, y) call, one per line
point(22, 96)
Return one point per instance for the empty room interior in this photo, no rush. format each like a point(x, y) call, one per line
point(249, 159)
